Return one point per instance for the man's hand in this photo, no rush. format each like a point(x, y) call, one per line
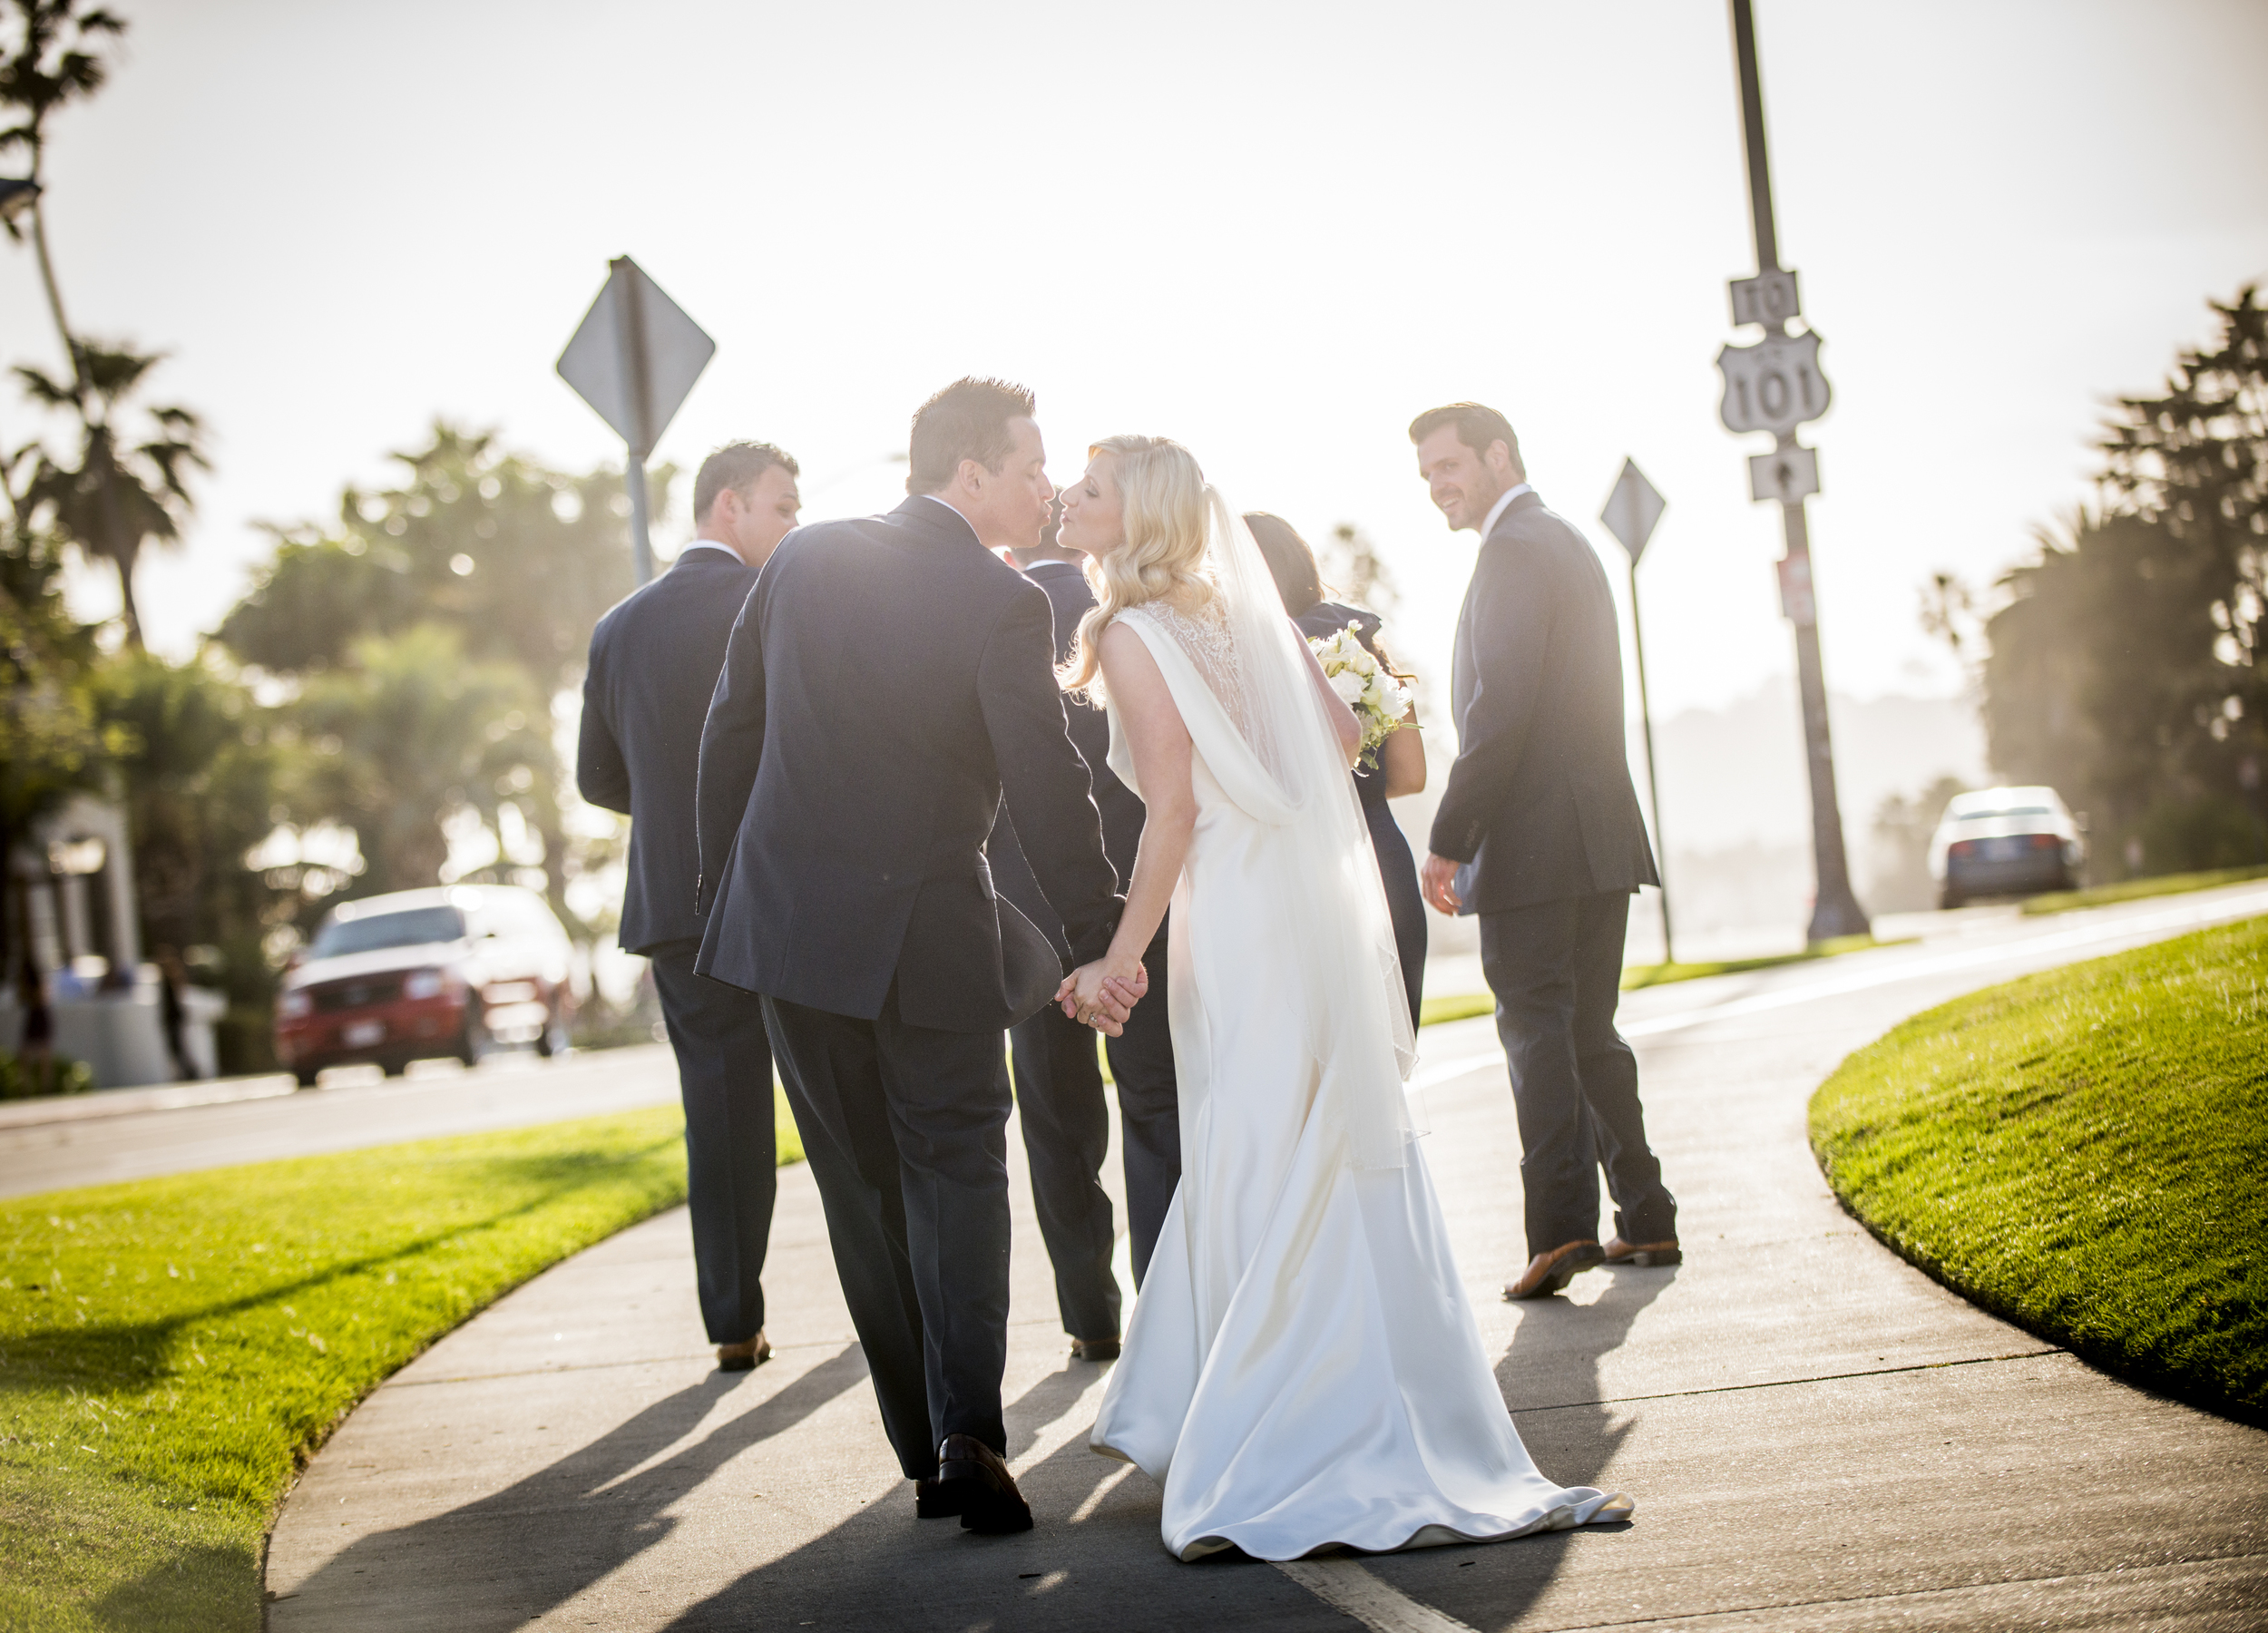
point(1102, 994)
point(1438, 881)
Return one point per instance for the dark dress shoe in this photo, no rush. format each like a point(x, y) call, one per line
point(1546, 1273)
point(1619, 1252)
point(740, 1357)
point(1094, 1349)
point(932, 1502)
point(972, 1476)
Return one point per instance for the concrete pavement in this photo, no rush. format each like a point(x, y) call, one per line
point(1815, 1434)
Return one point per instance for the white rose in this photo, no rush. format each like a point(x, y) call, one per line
point(1349, 686)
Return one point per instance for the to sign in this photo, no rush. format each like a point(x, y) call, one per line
point(1787, 474)
point(1772, 385)
point(1768, 298)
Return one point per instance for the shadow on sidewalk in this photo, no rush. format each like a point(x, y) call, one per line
point(509, 1557)
point(1092, 1560)
point(1550, 1380)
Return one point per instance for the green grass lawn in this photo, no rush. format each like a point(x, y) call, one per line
point(173, 1349)
point(2082, 1153)
point(2130, 890)
point(1431, 1012)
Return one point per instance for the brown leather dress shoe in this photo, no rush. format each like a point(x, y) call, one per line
point(740, 1357)
point(1619, 1252)
point(1094, 1349)
point(972, 1475)
point(1546, 1273)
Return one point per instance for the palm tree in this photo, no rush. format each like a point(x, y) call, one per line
point(49, 60)
point(120, 495)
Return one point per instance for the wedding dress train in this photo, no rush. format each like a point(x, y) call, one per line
point(1302, 1368)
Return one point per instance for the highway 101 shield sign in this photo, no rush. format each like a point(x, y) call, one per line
point(1772, 385)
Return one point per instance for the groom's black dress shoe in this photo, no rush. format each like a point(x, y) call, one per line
point(1619, 1252)
point(932, 1502)
point(1094, 1349)
point(1546, 1273)
point(971, 1477)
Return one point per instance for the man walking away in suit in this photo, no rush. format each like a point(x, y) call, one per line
point(1539, 832)
point(889, 681)
point(1059, 1084)
point(654, 662)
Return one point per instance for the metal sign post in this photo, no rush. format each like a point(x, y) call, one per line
point(1632, 510)
point(1775, 385)
point(633, 358)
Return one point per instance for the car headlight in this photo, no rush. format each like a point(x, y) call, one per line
point(424, 983)
point(292, 1005)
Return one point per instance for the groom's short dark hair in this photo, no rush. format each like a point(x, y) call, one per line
point(1477, 424)
point(967, 420)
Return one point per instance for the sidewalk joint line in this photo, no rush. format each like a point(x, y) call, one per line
point(1877, 1372)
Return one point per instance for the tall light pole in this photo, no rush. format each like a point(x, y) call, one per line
point(1776, 386)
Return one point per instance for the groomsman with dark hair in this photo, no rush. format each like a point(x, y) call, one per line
point(1059, 1083)
point(654, 662)
point(1539, 832)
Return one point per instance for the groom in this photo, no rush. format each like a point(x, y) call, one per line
point(1539, 832)
point(889, 680)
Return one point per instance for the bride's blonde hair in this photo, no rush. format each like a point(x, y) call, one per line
point(1166, 505)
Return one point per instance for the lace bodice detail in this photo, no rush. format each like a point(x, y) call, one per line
point(1211, 650)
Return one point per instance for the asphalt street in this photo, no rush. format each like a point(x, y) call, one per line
point(1816, 1435)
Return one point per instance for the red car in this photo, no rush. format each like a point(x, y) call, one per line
point(419, 973)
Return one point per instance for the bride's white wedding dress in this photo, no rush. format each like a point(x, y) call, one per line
point(1303, 1368)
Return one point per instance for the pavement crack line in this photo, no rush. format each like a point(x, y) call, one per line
point(1343, 1584)
point(1892, 1599)
point(1874, 1371)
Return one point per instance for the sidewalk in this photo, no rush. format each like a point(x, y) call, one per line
point(1816, 1436)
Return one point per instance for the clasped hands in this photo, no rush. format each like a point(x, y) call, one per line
point(1102, 994)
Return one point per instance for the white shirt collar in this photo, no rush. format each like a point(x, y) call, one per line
point(1496, 510)
point(711, 544)
point(949, 505)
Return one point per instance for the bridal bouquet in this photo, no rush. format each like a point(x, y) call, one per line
point(1378, 700)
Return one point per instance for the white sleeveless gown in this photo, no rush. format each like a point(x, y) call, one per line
point(1302, 1369)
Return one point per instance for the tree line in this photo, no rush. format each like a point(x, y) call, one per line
point(2126, 664)
point(393, 679)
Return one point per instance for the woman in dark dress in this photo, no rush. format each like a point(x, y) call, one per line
point(1401, 757)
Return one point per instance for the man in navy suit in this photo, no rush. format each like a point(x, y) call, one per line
point(1539, 832)
point(654, 662)
point(890, 681)
point(1058, 1085)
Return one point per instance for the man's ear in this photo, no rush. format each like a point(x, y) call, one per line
point(1498, 457)
point(970, 474)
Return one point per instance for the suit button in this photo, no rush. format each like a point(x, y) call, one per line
point(885, 878)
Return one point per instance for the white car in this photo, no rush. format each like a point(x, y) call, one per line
point(2005, 842)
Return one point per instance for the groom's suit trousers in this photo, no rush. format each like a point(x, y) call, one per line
point(1556, 969)
point(1066, 1122)
point(905, 1129)
point(732, 1157)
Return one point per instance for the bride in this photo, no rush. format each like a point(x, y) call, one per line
point(1302, 1369)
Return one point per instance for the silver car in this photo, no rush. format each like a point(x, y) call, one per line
point(2005, 842)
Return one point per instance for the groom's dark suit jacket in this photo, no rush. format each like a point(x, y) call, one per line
point(888, 681)
point(1539, 799)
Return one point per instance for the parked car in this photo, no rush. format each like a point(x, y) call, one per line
point(2005, 842)
point(420, 973)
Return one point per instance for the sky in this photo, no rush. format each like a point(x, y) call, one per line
point(1271, 231)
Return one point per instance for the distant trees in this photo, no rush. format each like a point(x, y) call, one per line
point(423, 639)
point(2128, 666)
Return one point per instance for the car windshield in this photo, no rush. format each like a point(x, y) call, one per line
point(2011, 811)
point(413, 928)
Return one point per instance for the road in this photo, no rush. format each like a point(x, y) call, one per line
point(1816, 1436)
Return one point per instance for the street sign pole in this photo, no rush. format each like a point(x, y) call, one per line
point(1632, 509)
point(1653, 764)
point(630, 340)
point(1787, 475)
point(633, 357)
